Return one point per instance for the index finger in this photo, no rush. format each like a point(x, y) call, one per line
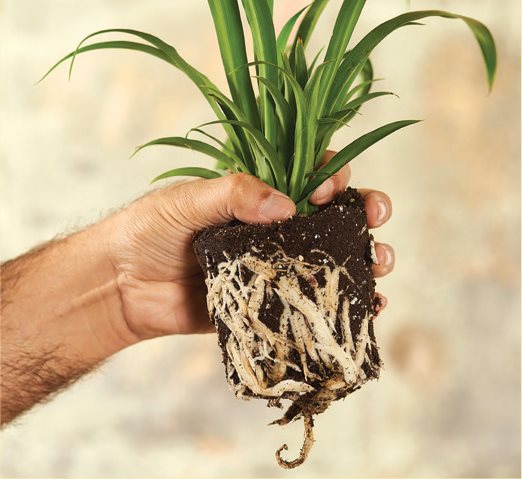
point(333, 185)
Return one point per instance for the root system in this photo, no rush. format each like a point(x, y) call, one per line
point(314, 342)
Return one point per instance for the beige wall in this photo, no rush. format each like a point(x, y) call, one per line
point(448, 401)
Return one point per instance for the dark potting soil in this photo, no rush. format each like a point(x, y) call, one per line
point(337, 231)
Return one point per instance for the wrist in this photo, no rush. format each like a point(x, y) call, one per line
point(101, 304)
point(124, 245)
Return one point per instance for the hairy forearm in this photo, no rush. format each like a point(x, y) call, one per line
point(61, 316)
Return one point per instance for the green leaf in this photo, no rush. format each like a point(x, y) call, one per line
point(301, 147)
point(354, 149)
point(361, 88)
point(226, 149)
point(123, 45)
point(329, 125)
point(342, 33)
point(307, 25)
point(347, 18)
point(363, 49)
point(284, 34)
point(189, 171)
point(196, 145)
point(168, 50)
point(232, 112)
point(229, 31)
point(313, 174)
point(275, 176)
point(306, 125)
point(367, 76)
point(265, 49)
point(312, 93)
point(300, 67)
point(286, 119)
point(159, 49)
point(351, 108)
point(283, 109)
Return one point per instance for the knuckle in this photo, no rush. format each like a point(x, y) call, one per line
point(238, 187)
point(243, 185)
point(239, 180)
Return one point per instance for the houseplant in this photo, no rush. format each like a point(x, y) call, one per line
point(292, 302)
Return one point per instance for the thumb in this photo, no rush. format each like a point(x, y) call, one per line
point(238, 196)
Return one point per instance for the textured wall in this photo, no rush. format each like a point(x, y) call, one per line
point(448, 401)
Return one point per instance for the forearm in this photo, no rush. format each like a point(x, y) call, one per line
point(61, 316)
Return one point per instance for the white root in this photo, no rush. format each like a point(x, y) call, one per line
point(258, 359)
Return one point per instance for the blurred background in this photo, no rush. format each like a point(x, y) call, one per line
point(448, 402)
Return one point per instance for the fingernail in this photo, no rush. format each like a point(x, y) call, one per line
point(388, 259)
point(384, 256)
point(325, 190)
point(277, 207)
point(381, 210)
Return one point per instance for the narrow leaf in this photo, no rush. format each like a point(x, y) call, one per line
point(354, 149)
point(265, 49)
point(189, 171)
point(278, 178)
point(123, 45)
point(195, 145)
point(286, 119)
point(159, 49)
point(300, 68)
point(363, 49)
point(226, 149)
point(233, 112)
point(284, 34)
point(353, 105)
point(307, 25)
point(362, 88)
point(229, 31)
point(344, 26)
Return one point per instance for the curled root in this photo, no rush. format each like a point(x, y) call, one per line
point(305, 448)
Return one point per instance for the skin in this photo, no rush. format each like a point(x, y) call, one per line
point(73, 303)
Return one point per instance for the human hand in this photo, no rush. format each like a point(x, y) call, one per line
point(161, 284)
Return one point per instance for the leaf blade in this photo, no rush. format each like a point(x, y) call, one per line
point(363, 49)
point(284, 33)
point(261, 24)
point(345, 23)
point(231, 39)
point(188, 143)
point(168, 53)
point(354, 149)
point(189, 171)
point(308, 23)
point(278, 177)
point(118, 44)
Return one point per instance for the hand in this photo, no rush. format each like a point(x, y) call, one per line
point(160, 282)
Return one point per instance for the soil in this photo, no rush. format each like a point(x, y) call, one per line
point(335, 236)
